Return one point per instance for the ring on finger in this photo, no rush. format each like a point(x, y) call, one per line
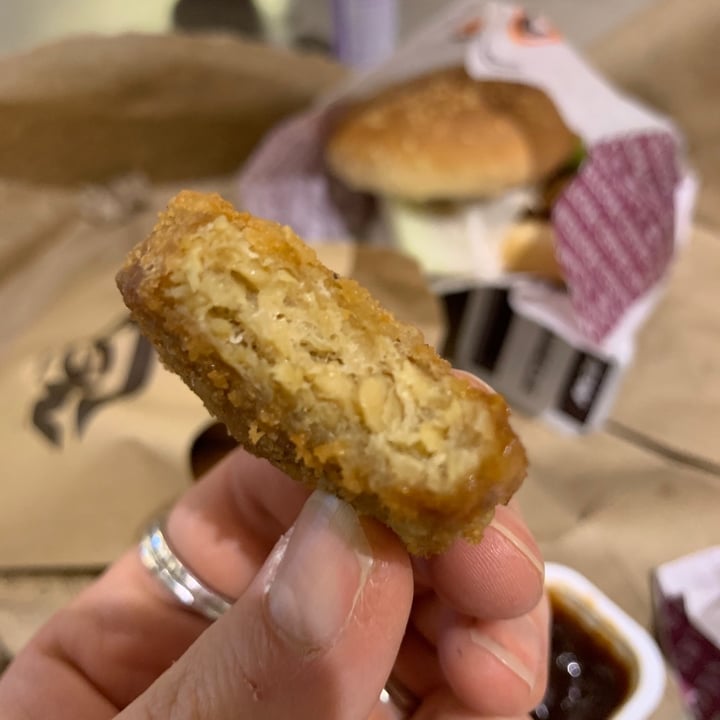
point(158, 557)
point(397, 695)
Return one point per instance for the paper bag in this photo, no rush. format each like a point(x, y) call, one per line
point(96, 435)
point(85, 466)
point(169, 106)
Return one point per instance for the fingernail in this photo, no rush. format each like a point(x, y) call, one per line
point(474, 380)
point(501, 524)
point(515, 643)
point(322, 571)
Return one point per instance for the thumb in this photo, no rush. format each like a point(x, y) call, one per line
point(314, 635)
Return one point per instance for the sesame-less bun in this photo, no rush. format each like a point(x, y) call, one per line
point(307, 370)
point(445, 136)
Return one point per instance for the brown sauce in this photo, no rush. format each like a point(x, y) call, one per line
point(588, 678)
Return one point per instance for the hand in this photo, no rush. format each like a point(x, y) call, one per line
point(322, 618)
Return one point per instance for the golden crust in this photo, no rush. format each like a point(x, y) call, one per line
point(446, 136)
point(297, 428)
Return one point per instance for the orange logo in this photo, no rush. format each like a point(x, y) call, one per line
point(526, 30)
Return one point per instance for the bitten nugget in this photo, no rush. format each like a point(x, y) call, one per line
point(307, 370)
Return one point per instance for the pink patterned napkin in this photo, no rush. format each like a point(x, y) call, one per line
point(615, 227)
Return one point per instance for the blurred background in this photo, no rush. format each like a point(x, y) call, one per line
point(24, 24)
point(615, 504)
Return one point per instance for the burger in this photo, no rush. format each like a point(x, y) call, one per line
point(465, 171)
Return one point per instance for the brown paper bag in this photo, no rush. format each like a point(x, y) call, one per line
point(97, 436)
point(170, 106)
point(76, 474)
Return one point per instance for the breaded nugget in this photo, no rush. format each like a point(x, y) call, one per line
point(307, 370)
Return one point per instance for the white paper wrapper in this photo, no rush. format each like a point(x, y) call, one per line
point(687, 610)
point(617, 225)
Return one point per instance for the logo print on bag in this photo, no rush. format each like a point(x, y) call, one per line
point(88, 375)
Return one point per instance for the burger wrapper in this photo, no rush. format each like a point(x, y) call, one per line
point(617, 226)
point(686, 597)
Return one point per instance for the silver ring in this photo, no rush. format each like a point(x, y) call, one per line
point(159, 558)
point(395, 694)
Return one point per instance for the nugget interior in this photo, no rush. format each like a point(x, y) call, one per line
point(306, 369)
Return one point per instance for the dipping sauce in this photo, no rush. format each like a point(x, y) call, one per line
point(588, 678)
